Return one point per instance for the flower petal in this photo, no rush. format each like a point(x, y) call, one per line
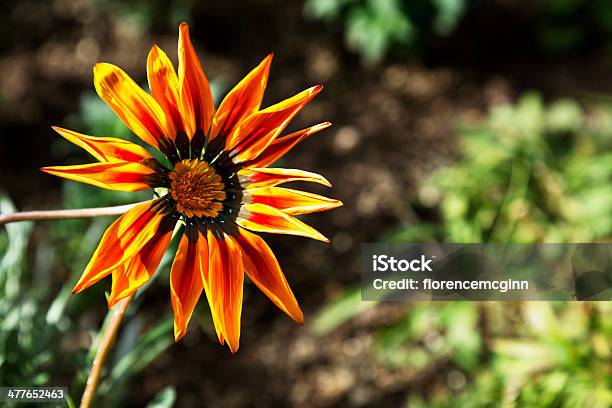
point(185, 282)
point(263, 218)
point(164, 85)
point(203, 260)
point(196, 99)
point(263, 269)
point(255, 133)
point(289, 201)
point(279, 147)
point(106, 148)
point(225, 280)
point(243, 100)
point(136, 108)
point(137, 271)
point(112, 175)
point(121, 241)
point(267, 177)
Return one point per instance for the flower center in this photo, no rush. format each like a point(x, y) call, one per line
point(197, 189)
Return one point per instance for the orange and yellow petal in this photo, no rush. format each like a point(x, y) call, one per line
point(121, 241)
point(243, 100)
point(263, 218)
point(133, 274)
point(203, 260)
point(185, 283)
point(136, 108)
point(106, 148)
point(263, 269)
point(280, 146)
point(225, 281)
point(289, 201)
point(196, 99)
point(164, 85)
point(112, 175)
point(255, 133)
point(268, 177)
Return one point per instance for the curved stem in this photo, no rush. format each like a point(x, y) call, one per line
point(63, 214)
point(105, 345)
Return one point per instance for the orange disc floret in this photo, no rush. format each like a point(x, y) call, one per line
point(197, 189)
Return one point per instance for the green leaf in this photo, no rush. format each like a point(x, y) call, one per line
point(147, 348)
point(17, 240)
point(340, 310)
point(164, 398)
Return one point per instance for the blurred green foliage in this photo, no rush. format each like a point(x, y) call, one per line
point(449, 330)
point(528, 173)
point(550, 355)
point(566, 25)
point(372, 27)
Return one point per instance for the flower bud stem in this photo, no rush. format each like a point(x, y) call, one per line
point(108, 338)
point(63, 214)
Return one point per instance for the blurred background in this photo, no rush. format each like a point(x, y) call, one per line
point(454, 121)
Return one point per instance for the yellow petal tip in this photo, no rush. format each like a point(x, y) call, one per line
point(299, 319)
point(179, 335)
point(321, 237)
point(316, 89)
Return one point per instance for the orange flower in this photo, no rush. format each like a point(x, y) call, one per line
point(217, 183)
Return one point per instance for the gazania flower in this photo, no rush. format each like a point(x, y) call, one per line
point(216, 181)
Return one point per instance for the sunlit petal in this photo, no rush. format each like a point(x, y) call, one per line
point(137, 271)
point(263, 269)
point(106, 148)
point(164, 85)
point(121, 241)
point(267, 177)
point(289, 201)
point(136, 108)
point(280, 146)
point(255, 133)
point(263, 218)
point(195, 96)
point(112, 175)
point(202, 265)
point(225, 280)
point(243, 100)
point(185, 283)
